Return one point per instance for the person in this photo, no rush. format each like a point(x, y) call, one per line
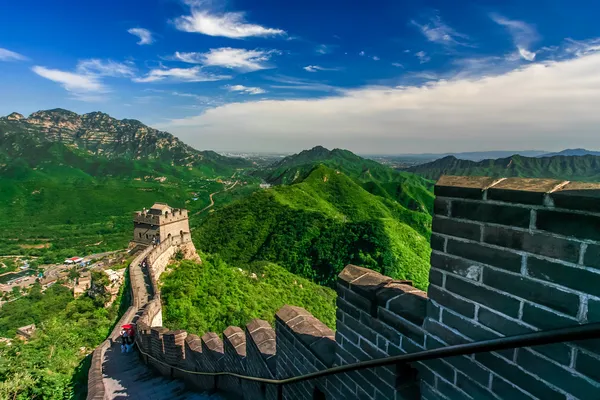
point(124, 341)
point(130, 340)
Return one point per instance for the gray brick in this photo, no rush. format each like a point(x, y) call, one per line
point(559, 352)
point(504, 259)
point(483, 295)
point(452, 227)
point(441, 207)
point(544, 319)
point(437, 242)
point(376, 325)
point(506, 390)
point(531, 290)
point(436, 277)
point(451, 391)
point(450, 301)
point(593, 314)
point(588, 365)
point(456, 265)
point(403, 326)
point(536, 243)
point(475, 390)
point(569, 224)
point(518, 377)
point(592, 256)
point(442, 332)
point(361, 329)
point(560, 377)
point(433, 310)
point(574, 278)
point(494, 213)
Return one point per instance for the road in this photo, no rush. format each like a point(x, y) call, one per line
point(210, 196)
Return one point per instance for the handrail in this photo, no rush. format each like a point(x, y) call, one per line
point(580, 332)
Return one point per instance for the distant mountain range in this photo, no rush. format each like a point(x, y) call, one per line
point(583, 168)
point(572, 152)
point(486, 155)
point(62, 137)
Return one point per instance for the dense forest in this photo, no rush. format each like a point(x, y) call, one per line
point(316, 226)
point(211, 296)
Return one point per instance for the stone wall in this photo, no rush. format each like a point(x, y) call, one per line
point(510, 256)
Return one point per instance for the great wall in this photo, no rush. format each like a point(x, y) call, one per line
point(510, 256)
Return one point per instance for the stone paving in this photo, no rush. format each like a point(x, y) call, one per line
point(126, 377)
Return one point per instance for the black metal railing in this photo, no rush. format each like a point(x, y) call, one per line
point(574, 333)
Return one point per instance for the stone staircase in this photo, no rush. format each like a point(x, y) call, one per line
point(126, 377)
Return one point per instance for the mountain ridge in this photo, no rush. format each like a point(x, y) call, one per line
point(584, 168)
point(97, 133)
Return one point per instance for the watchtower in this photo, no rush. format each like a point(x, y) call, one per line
point(160, 222)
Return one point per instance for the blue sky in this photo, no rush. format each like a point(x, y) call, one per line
point(374, 77)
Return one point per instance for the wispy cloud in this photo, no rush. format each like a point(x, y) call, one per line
point(375, 58)
point(227, 57)
point(97, 67)
point(194, 74)
point(230, 24)
point(436, 31)
point(422, 56)
point(396, 64)
point(523, 35)
point(245, 89)
point(324, 49)
point(315, 68)
point(580, 48)
point(7, 55)
point(144, 35)
point(287, 82)
point(71, 81)
point(362, 53)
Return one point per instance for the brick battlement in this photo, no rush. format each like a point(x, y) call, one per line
point(509, 256)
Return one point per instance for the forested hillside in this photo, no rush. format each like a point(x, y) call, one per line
point(582, 168)
point(319, 224)
point(211, 296)
point(409, 190)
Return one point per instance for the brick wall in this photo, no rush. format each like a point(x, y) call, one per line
point(513, 256)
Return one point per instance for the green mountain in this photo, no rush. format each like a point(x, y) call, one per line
point(317, 225)
point(584, 168)
point(410, 190)
point(99, 145)
point(68, 183)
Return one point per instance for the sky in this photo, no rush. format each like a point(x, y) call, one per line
point(374, 77)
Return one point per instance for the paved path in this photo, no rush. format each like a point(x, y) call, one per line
point(126, 377)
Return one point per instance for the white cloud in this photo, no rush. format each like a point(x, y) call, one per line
point(396, 64)
point(231, 24)
point(315, 68)
point(539, 105)
point(437, 31)
point(7, 55)
point(423, 57)
point(73, 82)
point(523, 35)
point(324, 49)
point(227, 57)
point(98, 67)
point(362, 53)
point(376, 58)
point(194, 74)
point(287, 82)
point(245, 89)
point(144, 34)
point(582, 47)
